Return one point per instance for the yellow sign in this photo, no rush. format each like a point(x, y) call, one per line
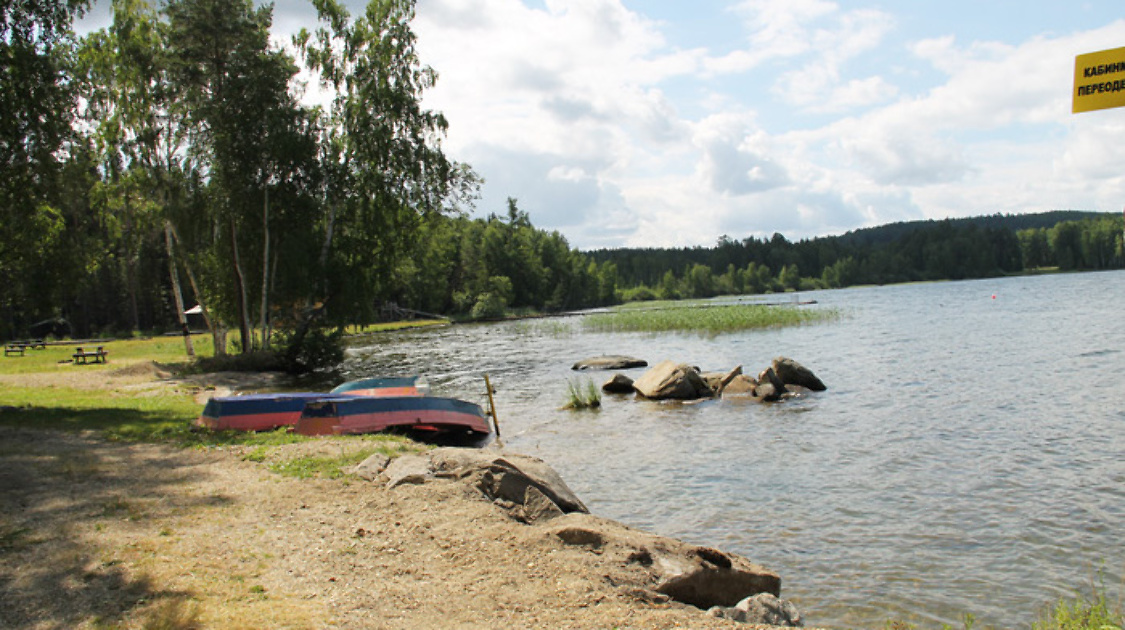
point(1099, 80)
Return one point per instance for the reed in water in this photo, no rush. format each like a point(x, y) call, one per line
point(709, 319)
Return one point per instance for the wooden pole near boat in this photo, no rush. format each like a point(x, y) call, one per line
point(492, 408)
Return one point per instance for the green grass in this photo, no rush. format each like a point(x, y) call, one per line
point(126, 414)
point(117, 417)
point(164, 350)
point(706, 319)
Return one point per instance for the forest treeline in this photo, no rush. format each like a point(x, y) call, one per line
point(951, 249)
point(169, 160)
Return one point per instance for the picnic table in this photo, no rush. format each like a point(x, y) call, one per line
point(19, 347)
point(83, 356)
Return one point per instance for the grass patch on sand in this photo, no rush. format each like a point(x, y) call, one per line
point(333, 466)
point(326, 457)
point(707, 319)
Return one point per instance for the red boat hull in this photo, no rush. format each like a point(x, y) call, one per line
point(350, 416)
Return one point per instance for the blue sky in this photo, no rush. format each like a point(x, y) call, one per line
point(651, 123)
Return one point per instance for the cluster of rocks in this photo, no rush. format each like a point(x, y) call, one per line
point(667, 380)
point(662, 569)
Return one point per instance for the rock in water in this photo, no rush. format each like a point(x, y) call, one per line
point(609, 362)
point(677, 381)
point(740, 386)
point(762, 609)
point(618, 384)
point(770, 386)
point(792, 373)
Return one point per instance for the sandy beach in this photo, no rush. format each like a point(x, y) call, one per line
point(97, 534)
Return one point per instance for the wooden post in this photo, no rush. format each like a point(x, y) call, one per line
point(492, 409)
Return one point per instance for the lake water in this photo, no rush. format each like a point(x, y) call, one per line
point(968, 456)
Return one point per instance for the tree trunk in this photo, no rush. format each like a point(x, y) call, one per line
point(131, 267)
point(177, 294)
point(265, 270)
point(217, 328)
point(328, 232)
point(240, 288)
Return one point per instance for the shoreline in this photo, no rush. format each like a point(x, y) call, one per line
point(96, 532)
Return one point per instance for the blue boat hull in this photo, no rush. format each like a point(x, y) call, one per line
point(256, 412)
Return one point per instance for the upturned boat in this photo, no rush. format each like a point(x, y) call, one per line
point(255, 412)
point(265, 412)
point(350, 415)
point(386, 386)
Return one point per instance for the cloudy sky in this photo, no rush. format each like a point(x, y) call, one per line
point(670, 123)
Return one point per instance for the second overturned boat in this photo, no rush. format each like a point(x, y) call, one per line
point(347, 415)
point(386, 386)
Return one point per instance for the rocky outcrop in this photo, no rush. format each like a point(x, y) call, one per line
point(649, 567)
point(609, 362)
point(528, 488)
point(668, 380)
point(784, 378)
point(699, 576)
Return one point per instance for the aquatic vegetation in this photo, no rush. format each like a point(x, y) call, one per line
point(1092, 612)
point(708, 319)
point(582, 395)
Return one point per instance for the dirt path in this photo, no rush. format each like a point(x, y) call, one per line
point(96, 534)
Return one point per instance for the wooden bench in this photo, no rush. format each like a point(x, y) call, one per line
point(83, 356)
point(13, 349)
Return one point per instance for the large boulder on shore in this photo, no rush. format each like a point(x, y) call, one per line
point(609, 362)
point(792, 373)
point(690, 574)
point(669, 380)
point(527, 486)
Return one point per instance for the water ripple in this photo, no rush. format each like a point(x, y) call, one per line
point(968, 456)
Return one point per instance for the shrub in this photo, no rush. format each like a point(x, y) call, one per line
point(488, 306)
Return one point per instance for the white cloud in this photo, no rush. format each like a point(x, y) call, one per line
point(825, 119)
point(735, 158)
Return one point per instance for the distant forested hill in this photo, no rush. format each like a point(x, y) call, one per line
point(1014, 222)
point(950, 249)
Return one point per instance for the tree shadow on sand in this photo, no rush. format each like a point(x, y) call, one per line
point(60, 494)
